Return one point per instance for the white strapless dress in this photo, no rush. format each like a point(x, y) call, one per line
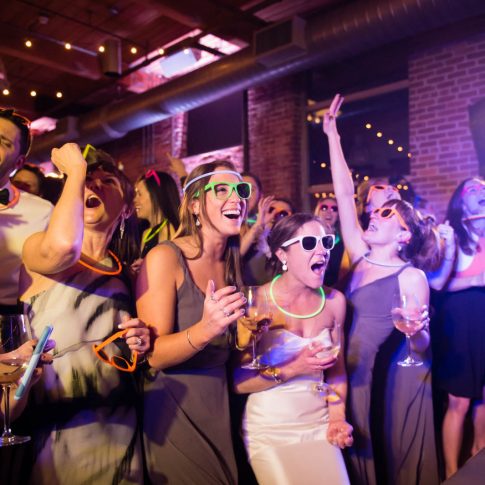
point(285, 427)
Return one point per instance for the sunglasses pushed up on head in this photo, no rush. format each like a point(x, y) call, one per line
point(378, 188)
point(309, 243)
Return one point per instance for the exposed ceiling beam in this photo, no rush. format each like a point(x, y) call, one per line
point(46, 53)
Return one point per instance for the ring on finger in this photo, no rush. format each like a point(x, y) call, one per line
point(213, 298)
point(226, 313)
point(139, 341)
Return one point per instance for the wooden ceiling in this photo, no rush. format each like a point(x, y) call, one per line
point(47, 66)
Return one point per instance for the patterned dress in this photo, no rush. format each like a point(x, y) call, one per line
point(82, 414)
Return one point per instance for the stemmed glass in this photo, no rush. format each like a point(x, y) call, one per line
point(258, 318)
point(406, 316)
point(331, 343)
point(14, 331)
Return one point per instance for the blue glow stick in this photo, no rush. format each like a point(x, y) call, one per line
point(34, 360)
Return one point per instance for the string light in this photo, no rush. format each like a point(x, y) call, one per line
point(368, 126)
point(28, 43)
point(323, 165)
point(133, 50)
point(67, 46)
point(317, 196)
point(409, 155)
point(5, 92)
point(317, 120)
point(309, 118)
point(161, 51)
point(390, 141)
point(59, 94)
point(379, 134)
point(366, 177)
point(400, 149)
point(33, 93)
point(101, 48)
point(186, 51)
point(405, 187)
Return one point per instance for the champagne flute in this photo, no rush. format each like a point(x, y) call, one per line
point(257, 319)
point(331, 348)
point(406, 316)
point(14, 331)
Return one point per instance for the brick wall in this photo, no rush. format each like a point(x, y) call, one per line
point(275, 113)
point(147, 147)
point(443, 82)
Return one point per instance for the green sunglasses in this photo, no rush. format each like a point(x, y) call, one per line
point(224, 190)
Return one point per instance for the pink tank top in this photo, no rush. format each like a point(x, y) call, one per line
point(477, 264)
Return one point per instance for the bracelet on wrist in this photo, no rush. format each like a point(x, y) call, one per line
point(198, 349)
point(274, 373)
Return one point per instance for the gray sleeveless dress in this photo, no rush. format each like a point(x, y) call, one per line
point(390, 407)
point(186, 411)
point(82, 415)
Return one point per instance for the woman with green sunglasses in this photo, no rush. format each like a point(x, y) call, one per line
point(390, 406)
point(187, 291)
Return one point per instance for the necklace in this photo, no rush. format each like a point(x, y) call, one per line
point(387, 265)
point(16, 197)
point(295, 315)
point(150, 235)
point(101, 271)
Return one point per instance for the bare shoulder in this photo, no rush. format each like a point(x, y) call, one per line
point(334, 296)
point(163, 257)
point(412, 275)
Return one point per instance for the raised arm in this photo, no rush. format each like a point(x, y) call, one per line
point(343, 185)
point(59, 247)
point(156, 292)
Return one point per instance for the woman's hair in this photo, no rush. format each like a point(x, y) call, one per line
point(320, 203)
point(423, 249)
point(232, 271)
point(285, 229)
point(455, 215)
point(255, 178)
point(127, 248)
point(165, 197)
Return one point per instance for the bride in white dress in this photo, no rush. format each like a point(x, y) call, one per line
point(293, 433)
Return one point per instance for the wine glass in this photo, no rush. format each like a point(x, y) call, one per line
point(14, 331)
point(257, 318)
point(406, 316)
point(331, 348)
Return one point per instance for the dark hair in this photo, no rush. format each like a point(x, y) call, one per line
point(285, 229)
point(232, 270)
point(23, 124)
point(127, 248)
point(38, 174)
point(256, 179)
point(455, 214)
point(423, 249)
point(165, 197)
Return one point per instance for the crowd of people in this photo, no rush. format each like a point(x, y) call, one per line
point(156, 334)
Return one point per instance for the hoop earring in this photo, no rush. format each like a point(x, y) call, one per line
point(122, 227)
point(284, 266)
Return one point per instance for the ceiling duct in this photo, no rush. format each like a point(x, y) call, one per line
point(355, 28)
point(279, 43)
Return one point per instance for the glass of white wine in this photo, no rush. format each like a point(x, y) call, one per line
point(331, 348)
point(14, 331)
point(406, 316)
point(257, 318)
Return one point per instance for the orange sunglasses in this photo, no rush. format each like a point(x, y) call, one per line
point(379, 187)
point(116, 360)
point(387, 212)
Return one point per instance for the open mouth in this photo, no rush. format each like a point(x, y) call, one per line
point(92, 201)
point(232, 214)
point(318, 267)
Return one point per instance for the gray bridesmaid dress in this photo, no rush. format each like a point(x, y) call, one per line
point(186, 411)
point(390, 407)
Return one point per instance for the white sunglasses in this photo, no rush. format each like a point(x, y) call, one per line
point(309, 243)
